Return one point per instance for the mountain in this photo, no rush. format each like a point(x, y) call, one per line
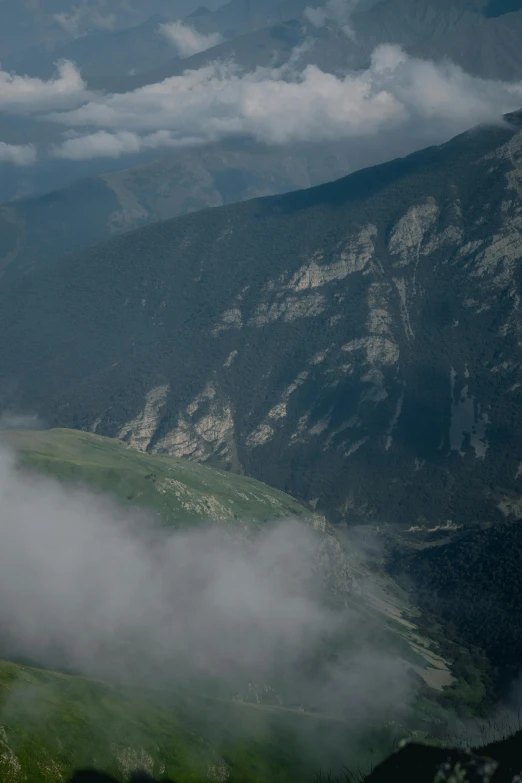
point(468, 581)
point(314, 340)
point(241, 16)
point(483, 43)
point(131, 53)
point(44, 228)
point(101, 52)
point(269, 46)
point(30, 28)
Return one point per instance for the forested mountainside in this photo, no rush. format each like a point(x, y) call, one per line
point(471, 582)
point(356, 344)
point(44, 228)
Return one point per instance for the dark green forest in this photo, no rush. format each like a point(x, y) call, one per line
point(473, 587)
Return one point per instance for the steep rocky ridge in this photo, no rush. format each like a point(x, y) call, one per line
point(366, 329)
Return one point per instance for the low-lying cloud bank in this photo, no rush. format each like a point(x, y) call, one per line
point(17, 154)
point(425, 100)
point(282, 106)
point(88, 585)
point(28, 95)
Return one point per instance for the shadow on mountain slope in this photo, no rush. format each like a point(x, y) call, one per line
point(498, 762)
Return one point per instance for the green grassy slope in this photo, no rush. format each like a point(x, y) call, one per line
point(182, 492)
point(52, 723)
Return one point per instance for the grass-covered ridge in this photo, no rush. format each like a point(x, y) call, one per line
point(182, 492)
point(52, 723)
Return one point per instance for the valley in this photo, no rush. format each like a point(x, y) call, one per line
point(389, 273)
point(53, 722)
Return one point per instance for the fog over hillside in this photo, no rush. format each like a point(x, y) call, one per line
point(104, 592)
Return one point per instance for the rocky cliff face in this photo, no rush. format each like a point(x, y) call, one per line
point(357, 344)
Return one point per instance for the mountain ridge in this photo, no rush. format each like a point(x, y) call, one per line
point(358, 344)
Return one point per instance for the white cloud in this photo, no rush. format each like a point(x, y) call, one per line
point(80, 18)
point(26, 94)
point(317, 16)
point(424, 102)
point(188, 41)
point(99, 145)
point(279, 106)
point(17, 154)
point(90, 585)
point(103, 144)
point(337, 11)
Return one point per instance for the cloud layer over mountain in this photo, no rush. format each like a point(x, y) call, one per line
point(271, 105)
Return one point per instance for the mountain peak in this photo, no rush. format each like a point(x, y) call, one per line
point(514, 118)
point(202, 10)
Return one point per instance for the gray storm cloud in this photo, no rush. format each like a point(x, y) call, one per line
point(88, 585)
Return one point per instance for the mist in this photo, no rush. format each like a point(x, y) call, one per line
point(188, 41)
point(102, 590)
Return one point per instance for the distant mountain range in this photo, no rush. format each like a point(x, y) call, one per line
point(483, 39)
point(355, 345)
point(485, 43)
point(130, 51)
point(34, 26)
point(45, 228)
